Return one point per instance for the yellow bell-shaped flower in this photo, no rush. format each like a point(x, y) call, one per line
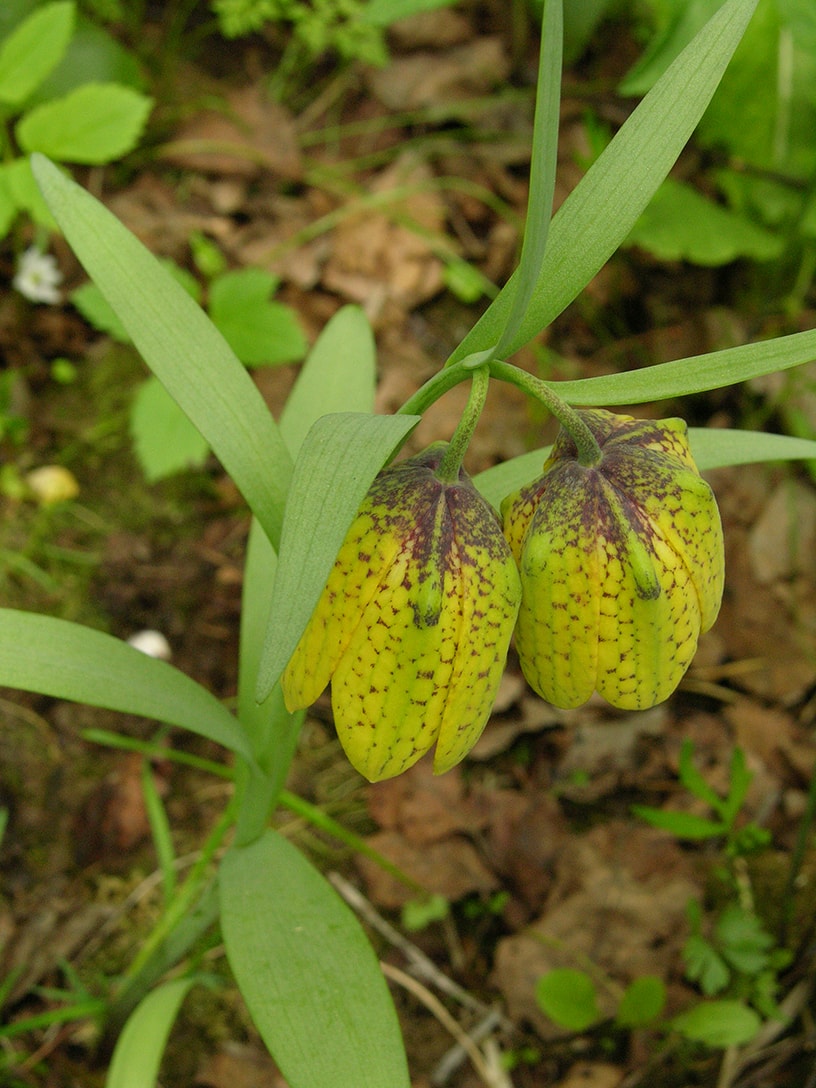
point(621, 564)
point(413, 626)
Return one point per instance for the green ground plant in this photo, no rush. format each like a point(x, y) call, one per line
point(260, 330)
point(760, 200)
point(67, 90)
point(731, 956)
point(299, 956)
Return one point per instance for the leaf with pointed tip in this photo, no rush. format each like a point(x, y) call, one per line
point(68, 661)
point(179, 343)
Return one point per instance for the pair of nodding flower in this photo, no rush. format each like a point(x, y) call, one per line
point(607, 572)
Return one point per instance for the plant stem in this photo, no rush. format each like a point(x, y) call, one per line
point(589, 452)
point(448, 471)
point(433, 389)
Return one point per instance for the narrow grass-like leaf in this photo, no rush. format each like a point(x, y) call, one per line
point(271, 729)
point(307, 972)
point(685, 825)
point(711, 447)
point(693, 780)
point(339, 375)
point(160, 830)
point(543, 160)
point(682, 377)
point(138, 1053)
point(67, 661)
point(179, 343)
point(604, 206)
point(339, 458)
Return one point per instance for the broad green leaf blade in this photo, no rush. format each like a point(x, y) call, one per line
point(67, 661)
point(33, 49)
point(643, 1001)
point(259, 331)
point(92, 56)
point(180, 345)
point(94, 124)
point(719, 1023)
point(138, 1052)
point(569, 998)
point(271, 729)
point(340, 375)
point(682, 377)
point(680, 224)
point(164, 438)
point(604, 206)
point(339, 458)
point(307, 972)
point(711, 447)
point(544, 157)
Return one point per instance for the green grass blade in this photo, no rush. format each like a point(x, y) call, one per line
point(138, 1053)
point(160, 830)
point(543, 160)
point(335, 466)
point(682, 377)
point(602, 209)
point(339, 375)
point(179, 343)
point(67, 661)
point(307, 972)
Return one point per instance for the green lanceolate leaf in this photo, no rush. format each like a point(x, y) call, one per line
point(307, 972)
point(138, 1053)
point(682, 377)
point(602, 209)
point(543, 159)
point(711, 447)
point(67, 661)
point(339, 458)
point(179, 343)
point(339, 375)
point(33, 49)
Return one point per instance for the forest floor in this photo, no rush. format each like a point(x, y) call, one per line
point(370, 193)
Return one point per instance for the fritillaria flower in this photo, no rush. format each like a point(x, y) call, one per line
point(621, 564)
point(413, 626)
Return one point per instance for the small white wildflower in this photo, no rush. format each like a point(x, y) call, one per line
point(38, 277)
point(152, 643)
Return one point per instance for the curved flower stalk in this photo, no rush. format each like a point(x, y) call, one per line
point(621, 564)
point(414, 624)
